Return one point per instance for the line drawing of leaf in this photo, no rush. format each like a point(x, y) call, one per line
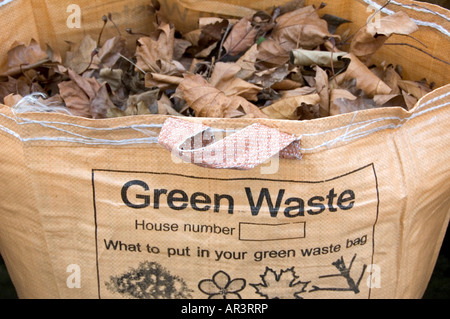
point(282, 285)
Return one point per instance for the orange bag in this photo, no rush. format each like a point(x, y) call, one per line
point(357, 206)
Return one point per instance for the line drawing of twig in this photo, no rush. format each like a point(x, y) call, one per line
point(344, 271)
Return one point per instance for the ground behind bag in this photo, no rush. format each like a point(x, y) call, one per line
point(355, 206)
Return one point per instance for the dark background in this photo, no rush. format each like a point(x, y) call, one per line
point(438, 287)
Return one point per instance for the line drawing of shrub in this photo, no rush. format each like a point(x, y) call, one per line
point(149, 281)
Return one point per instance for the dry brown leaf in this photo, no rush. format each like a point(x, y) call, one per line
point(180, 46)
point(271, 52)
point(410, 100)
point(392, 78)
point(224, 78)
point(397, 23)
point(343, 105)
point(21, 54)
point(288, 108)
point(268, 77)
point(110, 52)
point(75, 98)
point(303, 57)
point(416, 89)
point(389, 100)
point(304, 90)
point(208, 101)
point(212, 33)
point(206, 52)
point(247, 63)
point(12, 99)
point(336, 95)
point(100, 103)
point(165, 106)
point(206, 38)
point(323, 91)
point(138, 109)
point(301, 28)
point(365, 79)
point(155, 49)
point(14, 86)
point(99, 86)
point(372, 37)
point(291, 6)
point(334, 22)
point(89, 85)
point(193, 37)
point(241, 37)
point(162, 81)
point(111, 76)
point(23, 59)
point(138, 104)
point(285, 85)
point(80, 55)
point(148, 98)
point(204, 21)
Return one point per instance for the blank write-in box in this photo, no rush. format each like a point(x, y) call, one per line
point(266, 232)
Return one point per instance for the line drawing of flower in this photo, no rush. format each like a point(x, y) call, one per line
point(222, 287)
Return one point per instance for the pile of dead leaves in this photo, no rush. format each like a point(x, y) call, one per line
point(285, 64)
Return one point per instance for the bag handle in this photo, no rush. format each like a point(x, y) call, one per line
point(245, 149)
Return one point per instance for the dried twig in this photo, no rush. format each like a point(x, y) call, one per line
point(105, 21)
point(110, 19)
point(368, 21)
point(419, 49)
point(227, 30)
point(24, 67)
point(132, 63)
point(130, 31)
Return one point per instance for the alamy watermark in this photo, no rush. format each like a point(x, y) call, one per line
point(74, 19)
point(74, 278)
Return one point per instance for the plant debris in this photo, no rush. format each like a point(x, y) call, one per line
point(285, 64)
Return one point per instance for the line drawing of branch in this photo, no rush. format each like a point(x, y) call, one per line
point(344, 272)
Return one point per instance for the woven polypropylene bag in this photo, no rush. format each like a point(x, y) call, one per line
point(102, 209)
